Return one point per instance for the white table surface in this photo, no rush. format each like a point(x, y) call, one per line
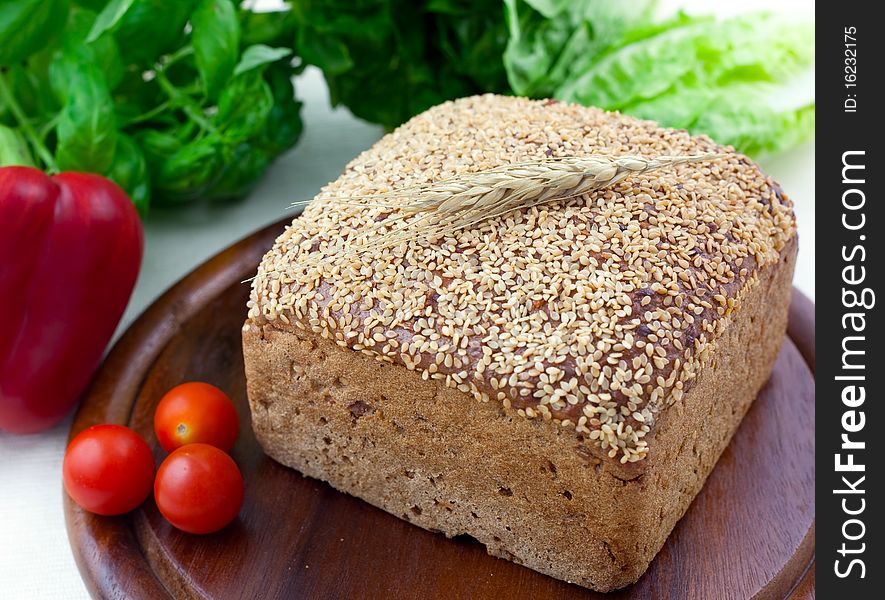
point(35, 558)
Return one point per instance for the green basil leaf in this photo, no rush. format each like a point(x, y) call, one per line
point(283, 126)
point(281, 130)
point(13, 149)
point(216, 41)
point(108, 18)
point(258, 55)
point(134, 97)
point(26, 26)
point(86, 130)
point(326, 52)
point(30, 86)
point(239, 119)
point(157, 146)
point(151, 28)
point(387, 60)
point(129, 170)
point(240, 173)
point(187, 174)
point(93, 5)
point(471, 41)
point(273, 28)
point(103, 52)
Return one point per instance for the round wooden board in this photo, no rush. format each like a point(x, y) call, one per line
point(749, 533)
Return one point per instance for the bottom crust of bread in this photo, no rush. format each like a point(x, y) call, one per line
point(527, 490)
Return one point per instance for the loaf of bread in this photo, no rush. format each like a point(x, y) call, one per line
point(556, 382)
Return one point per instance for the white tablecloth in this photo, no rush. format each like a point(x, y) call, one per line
point(35, 559)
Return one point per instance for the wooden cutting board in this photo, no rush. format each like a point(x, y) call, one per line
point(750, 532)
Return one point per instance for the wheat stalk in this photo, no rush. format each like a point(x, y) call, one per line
point(447, 206)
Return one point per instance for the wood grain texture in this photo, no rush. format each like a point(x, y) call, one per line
point(749, 533)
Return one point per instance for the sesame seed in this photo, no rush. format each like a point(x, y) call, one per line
point(595, 312)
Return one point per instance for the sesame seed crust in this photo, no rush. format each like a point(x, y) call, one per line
point(593, 313)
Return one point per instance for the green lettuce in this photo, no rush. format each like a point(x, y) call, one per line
point(696, 54)
point(552, 41)
point(387, 60)
point(746, 115)
point(721, 78)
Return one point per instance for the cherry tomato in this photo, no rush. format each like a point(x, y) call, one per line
point(108, 469)
point(199, 488)
point(196, 412)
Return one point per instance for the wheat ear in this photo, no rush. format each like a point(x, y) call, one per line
point(447, 206)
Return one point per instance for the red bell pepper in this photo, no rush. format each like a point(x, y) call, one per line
point(70, 250)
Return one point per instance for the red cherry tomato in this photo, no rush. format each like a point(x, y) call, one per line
point(196, 413)
point(199, 488)
point(108, 469)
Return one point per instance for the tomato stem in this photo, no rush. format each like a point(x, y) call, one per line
point(25, 124)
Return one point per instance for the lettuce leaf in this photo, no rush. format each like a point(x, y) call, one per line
point(698, 54)
point(552, 40)
point(741, 114)
point(722, 78)
point(387, 60)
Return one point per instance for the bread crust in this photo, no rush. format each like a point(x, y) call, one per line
point(557, 381)
point(594, 312)
point(531, 492)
